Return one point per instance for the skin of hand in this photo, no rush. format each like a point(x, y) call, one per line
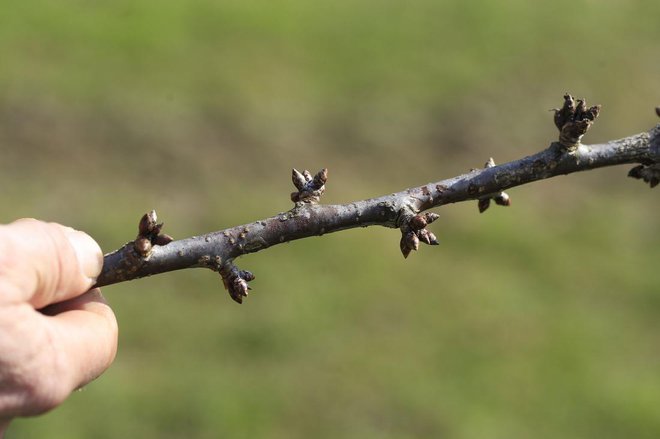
point(56, 335)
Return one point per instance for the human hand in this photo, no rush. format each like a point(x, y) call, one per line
point(55, 335)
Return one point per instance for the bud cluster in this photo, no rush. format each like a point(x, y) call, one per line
point(414, 232)
point(649, 173)
point(574, 120)
point(236, 281)
point(501, 198)
point(149, 234)
point(310, 188)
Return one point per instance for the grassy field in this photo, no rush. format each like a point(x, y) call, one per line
point(540, 320)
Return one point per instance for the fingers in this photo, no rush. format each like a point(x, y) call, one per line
point(44, 263)
point(84, 330)
point(46, 355)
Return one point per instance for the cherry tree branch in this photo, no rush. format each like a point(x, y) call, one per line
point(152, 252)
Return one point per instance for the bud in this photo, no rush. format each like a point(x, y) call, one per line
point(163, 239)
point(307, 175)
point(142, 246)
point(412, 241)
point(503, 199)
point(565, 114)
point(320, 178)
point(593, 112)
point(636, 172)
point(147, 223)
point(298, 180)
point(580, 109)
point(657, 111)
point(237, 288)
point(424, 236)
point(247, 275)
point(433, 239)
point(484, 204)
point(431, 216)
point(490, 163)
point(405, 250)
point(418, 222)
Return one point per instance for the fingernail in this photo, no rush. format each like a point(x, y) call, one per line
point(88, 252)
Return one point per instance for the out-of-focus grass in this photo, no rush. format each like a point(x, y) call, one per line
point(535, 321)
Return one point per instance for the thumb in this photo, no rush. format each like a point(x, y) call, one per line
point(43, 263)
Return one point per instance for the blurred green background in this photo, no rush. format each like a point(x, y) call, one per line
point(540, 320)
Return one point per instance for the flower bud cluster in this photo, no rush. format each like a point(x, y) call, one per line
point(149, 234)
point(649, 173)
point(574, 120)
point(414, 232)
point(310, 188)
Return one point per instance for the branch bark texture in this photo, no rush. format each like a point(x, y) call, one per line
point(217, 250)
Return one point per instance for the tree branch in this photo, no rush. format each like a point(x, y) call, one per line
point(152, 252)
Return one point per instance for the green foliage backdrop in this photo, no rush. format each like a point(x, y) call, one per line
point(540, 320)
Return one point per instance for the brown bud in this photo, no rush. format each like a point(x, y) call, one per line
point(592, 113)
point(657, 111)
point(147, 223)
point(298, 179)
point(424, 236)
point(237, 288)
point(405, 250)
point(433, 239)
point(484, 204)
point(142, 246)
point(307, 175)
point(163, 239)
point(580, 109)
point(503, 199)
point(418, 222)
point(412, 240)
point(295, 196)
point(320, 178)
point(431, 216)
point(566, 112)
